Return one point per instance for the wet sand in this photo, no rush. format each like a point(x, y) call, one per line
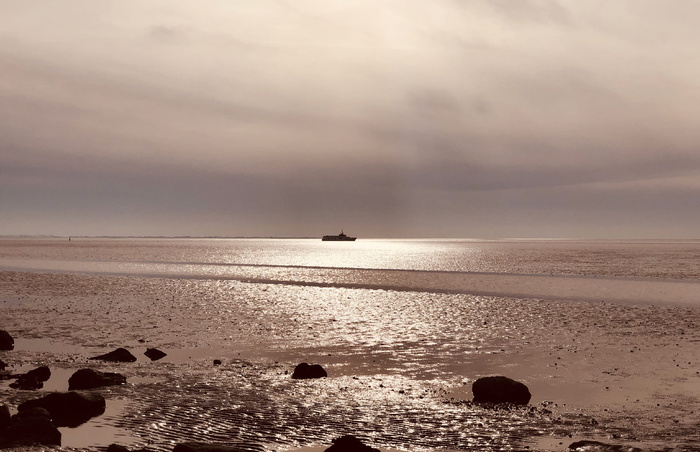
point(400, 367)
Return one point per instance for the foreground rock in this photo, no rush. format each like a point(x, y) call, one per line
point(30, 427)
point(3, 365)
point(154, 354)
point(4, 416)
point(6, 341)
point(204, 447)
point(69, 409)
point(32, 380)
point(88, 379)
point(120, 355)
point(118, 448)
point(595, 446)
point(349, 443)
point(305, 370)
point(500, 390)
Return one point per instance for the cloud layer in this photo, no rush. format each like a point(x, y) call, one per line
point(398, 119)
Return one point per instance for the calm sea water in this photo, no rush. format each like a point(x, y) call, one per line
point(642, 271)
point(656, 259)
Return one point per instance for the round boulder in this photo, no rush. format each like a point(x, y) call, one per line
point(88, 379)
point(69, 409)
point(349, 443)
point(500, 389)
point(305, 370)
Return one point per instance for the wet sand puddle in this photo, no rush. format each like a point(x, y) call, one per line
point(400, 365)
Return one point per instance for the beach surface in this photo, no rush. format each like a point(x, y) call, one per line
point(400, 363)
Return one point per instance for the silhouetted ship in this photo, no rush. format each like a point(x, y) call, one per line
point(338, 238)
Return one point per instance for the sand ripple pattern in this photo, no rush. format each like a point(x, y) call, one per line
point(253, 406)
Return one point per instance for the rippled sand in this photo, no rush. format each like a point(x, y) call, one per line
point(400, 364)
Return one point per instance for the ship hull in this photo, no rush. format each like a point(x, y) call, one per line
point(335, 238)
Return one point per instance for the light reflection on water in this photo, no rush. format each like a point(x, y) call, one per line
point(664, 259)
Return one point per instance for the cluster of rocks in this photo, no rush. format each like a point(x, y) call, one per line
point(37, 420)
point(82, 379)
point(122, 355)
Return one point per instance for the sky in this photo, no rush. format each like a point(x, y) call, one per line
point(393, 118)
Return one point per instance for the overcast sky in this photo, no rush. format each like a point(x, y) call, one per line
point(411, 118)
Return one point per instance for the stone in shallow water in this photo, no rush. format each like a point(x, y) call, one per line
point(154, 354)
point(69, 409)
point(32, 380)
point(120, 355)
point(89, 378)
point(30, 427)
point(500, 389)
point(305, 370)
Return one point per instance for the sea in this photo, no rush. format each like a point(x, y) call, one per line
point(403, 326)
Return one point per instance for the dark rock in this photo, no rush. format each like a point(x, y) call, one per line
point(33, 412)
point(88, 379)
point(42, 373)
point(204, 447)
point(217, 362)
point(349, 443)
point(4, 416)
point(120, 355)
point(6, 341)
point(595, 446)
point(500, 390)
point(305, 370)
point(31, 427)
point(27, 383)
point(3, 365)
point(69, 409)
point(154, 354)
point(117, 448)
point(32, 380)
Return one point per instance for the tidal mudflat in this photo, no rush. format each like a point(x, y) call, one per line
point(400, 367)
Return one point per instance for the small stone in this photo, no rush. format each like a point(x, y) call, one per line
point(154, 354)
point(120, 355)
